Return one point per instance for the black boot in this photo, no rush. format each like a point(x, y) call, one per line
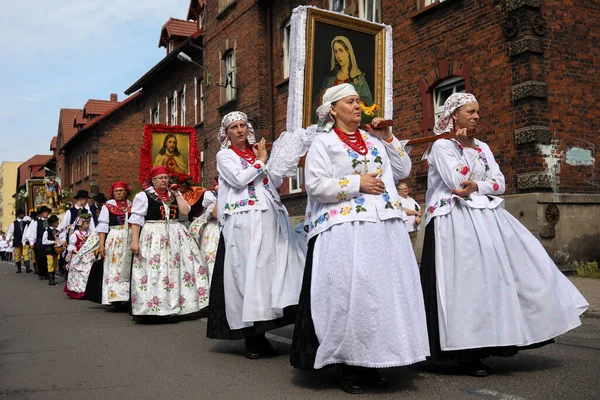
point(51, 280)
point(253, 348)
point(18, 263)
point(350, 380)
point(266, 349)
point(370, 378)
point(475, 368)
point(35, 269)
point(27, 266)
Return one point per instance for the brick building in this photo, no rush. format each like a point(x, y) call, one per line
point(99, 144)
point(528, 61)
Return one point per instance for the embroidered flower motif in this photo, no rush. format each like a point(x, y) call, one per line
point(251, 202)
point(495, 186)
point(343, 182)
point(479, 150)
point(353, 154)
point(464, 170)
point(257, 166)
point(333, 212)
point(201, 292)
point(431, 209)
point(266, 180)
point(359, 201)
point(386, 196)
point(341, 196)
point(346, 210)
point(374, 152)
point(156, 300)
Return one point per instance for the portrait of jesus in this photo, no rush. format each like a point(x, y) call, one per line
point(171, 155)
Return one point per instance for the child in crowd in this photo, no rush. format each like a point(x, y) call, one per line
point(51, 241)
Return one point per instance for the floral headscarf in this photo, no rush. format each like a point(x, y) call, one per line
point(228, 120)
point(332, 95)
point(444, 123)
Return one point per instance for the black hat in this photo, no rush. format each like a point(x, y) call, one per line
point(20, 211)
point(100, 198)
point(44, 209)
point(82, 193)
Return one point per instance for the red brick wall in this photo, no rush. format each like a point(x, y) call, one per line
point(75, 154)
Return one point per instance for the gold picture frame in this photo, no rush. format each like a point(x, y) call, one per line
point(324, 32)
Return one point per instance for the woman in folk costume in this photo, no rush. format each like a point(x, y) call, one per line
point(115, 245)
point(205, 228)
point(490, 288)
point(258, 270)
point(168, 276)
point(360, 305)
point(81, 254)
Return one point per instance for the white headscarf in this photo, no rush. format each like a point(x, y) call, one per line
point(332, 95)
point(228, 120)
point(444, 123)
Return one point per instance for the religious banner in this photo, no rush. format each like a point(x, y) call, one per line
point(329, 48)
point(36, 194)
point(173, 147)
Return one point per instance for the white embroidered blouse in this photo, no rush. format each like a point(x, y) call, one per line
point(449, 165)
point(332, 173)
point(244, 186)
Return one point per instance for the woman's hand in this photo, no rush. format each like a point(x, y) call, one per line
point(417, 220)
point(101, 250)
point(260, 150)
point(370, 184)
point(468, 188)
point(135, 247)
point(383, 134)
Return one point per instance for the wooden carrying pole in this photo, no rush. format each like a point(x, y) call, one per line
point(430, 139)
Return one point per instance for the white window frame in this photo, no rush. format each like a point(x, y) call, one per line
point(454, 83)
point(200, 20)
point(230, 75)
point(195, 101)
point(157, 114)
point(87, 164)
point(374, 8)
point(201, 102)
point(183, 107)
point(174, 100)
point(296, 187)
point(166, 110)
point(171, 45)
point(151, 115)
point(72, 173)
point(287, 31)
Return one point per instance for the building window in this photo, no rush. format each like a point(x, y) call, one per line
point(287, 31)
point(337, 5)
point(87, 164)
point(198, 101)
point(182, 106)
point(296, 182)
point(370, 10)
point(224, 3)
point(444, 90)
point(150, 116)
point(174, 108)
point(72, 173)
point(200, 19)
point(229, 76)
point(171, 45)
point(201, 102)
point(167, 111)
point(157, 114)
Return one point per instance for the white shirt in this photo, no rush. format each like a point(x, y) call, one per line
point(333, 172)
point(45, 240)
point(410, 204)
point(11, 229)
point(32, 231)
point(139, 208)
point(449, 165)
point(209, 201)
point(104, 217)
point(65, 225)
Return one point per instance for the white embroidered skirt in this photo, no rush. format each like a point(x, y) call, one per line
point(366, 300)
point(264, 264)
point(117, 265)
point(496, 284)
point(81, 264)
point(168, 276)
point(206, 233)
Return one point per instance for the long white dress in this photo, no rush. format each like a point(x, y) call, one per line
point(118, 257)
point(81, 263)
point(205, 231)
point(496, 284)
point(264, 259)
point(168, 275)
point(366, 303)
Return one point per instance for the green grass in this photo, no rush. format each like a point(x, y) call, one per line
point(587, 269)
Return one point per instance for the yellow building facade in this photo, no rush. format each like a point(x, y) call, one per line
point(8, 186)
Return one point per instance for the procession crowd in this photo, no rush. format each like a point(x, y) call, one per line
point(347, 278)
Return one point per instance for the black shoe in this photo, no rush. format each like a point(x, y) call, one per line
point(41, 277)
point(253, 348)
point(475, 368)
point(370, 378)
point(51, 280)
point(266, 349)
point(350, 380)
point(18, 267)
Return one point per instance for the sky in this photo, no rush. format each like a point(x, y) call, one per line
point(60, 53)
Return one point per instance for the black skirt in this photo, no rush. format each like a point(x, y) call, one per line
point(305, 342)
point(218, 327)
point(428, 284)
point(93, 289)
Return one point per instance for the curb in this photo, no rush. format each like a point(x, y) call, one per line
point(591, 314)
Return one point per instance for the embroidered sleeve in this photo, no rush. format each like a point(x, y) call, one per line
point(103, 220)
point(494, 182)
point(321, 184)
point(234, 173)
point(399, 159)
point(139, 209)
point(448, 164)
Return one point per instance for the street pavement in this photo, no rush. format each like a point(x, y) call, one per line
point(52, 347)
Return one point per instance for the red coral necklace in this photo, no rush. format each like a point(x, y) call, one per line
point(246, 154)
point(163, 196)
point(354, 140)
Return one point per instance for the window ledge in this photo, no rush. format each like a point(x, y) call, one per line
point(283, 82)
point(223, 11)
point(199, 124)
point(428, 8)
point(228, 104)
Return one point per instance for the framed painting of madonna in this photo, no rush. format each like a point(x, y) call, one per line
point(341, 49)
point(173, 147)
